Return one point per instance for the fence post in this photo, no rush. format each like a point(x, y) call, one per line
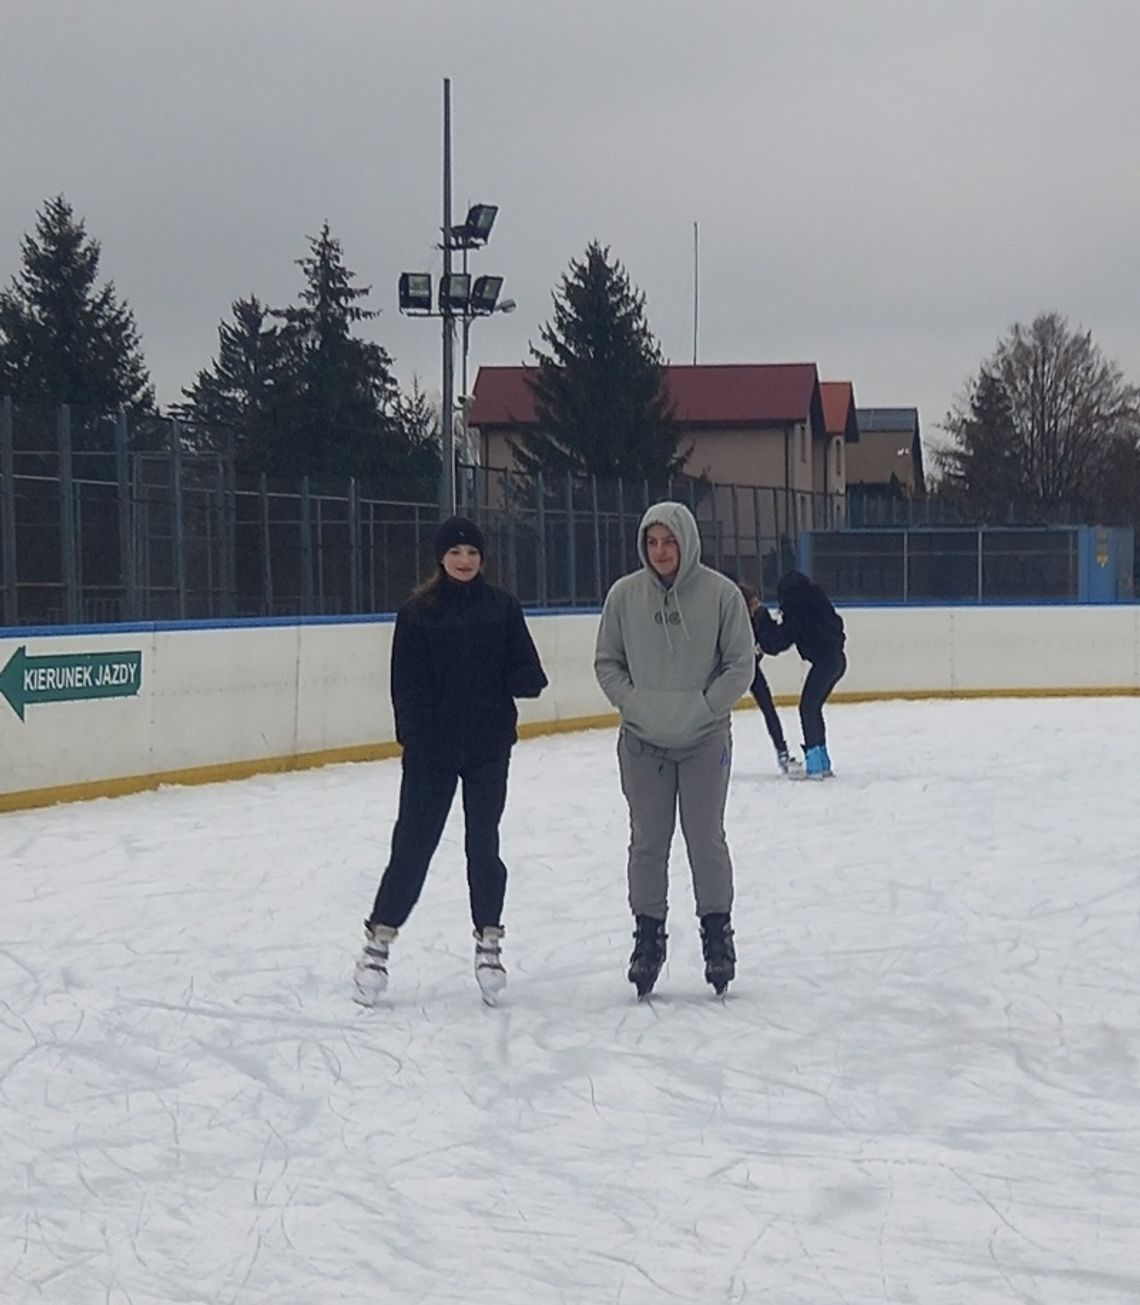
point(306, 549)
point(571, 542)
point(266, 555)
point(905, 565)
point(512, 559)
point(736, 534)
point(179, 517)
point(756, 535)
point(215, 517)
point(981, 579)
point(229, 527)
point(72, 606)
point(8, 512)
point(597, 540)
point(126, 528)
point(540, 556)
point(621, 524)
point(354, 568)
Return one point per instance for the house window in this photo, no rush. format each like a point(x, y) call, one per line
point(839, 457)
point(803, 444)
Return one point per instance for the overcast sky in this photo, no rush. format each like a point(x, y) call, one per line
point(882, 186)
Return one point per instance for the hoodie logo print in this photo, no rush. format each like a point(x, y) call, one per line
point(674, 618)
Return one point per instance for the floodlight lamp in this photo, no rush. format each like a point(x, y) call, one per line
point(415, 292)
point(485, 294)
point(476, 229)
point(454, 292)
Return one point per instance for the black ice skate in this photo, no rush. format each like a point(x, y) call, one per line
point(648, 953)
point(719, 950)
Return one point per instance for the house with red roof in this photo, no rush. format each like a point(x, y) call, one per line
point(749, 424)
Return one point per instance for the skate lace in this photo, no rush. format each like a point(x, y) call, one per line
point(375, 956)
point(488, 954)
point(719, 949)
point(648, 948)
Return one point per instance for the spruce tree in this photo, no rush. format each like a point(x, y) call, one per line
point(303, 395)
point(600, 393)
point(340, 414)
point(239, 396)
point(63, 338)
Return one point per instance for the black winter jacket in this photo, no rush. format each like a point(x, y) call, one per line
point(459, 659)
point(807, 619)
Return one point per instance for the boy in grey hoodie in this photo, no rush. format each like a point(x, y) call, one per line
point(674, 655)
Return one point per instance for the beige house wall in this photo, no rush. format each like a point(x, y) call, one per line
point(747, 457)
point(732, 457)
point(877, 457)
point(741, 457)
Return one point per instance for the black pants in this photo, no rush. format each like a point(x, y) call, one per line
point(763, 695)
point(426, 794)
point(821, 679)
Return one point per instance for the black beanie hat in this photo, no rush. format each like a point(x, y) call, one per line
point(457, 530)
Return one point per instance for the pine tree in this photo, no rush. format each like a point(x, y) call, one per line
point(341, 413)
point(982, 475)
point(303, 395)
point(600, 392)
point(239, 396)
point(63, 339)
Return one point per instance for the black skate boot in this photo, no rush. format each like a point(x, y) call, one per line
point(720, 953)
point(648, 953)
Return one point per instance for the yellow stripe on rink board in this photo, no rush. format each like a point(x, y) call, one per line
point(221, 773)
point(27, 799)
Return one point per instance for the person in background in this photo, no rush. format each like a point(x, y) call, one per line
point(808, 620)
point(761, 692)
point(674, 655)
point(461, 654)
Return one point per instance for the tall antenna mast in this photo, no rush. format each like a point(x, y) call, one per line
point(696, 286)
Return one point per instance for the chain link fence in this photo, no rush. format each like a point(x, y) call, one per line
point(104, 520)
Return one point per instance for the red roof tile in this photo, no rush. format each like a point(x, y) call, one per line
point(717, 394)
point(839, 409)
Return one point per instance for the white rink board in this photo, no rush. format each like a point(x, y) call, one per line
point(282, 695)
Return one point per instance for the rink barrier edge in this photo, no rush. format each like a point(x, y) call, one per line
point(123, 786)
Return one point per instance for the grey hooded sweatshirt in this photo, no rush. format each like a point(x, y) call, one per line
point(675, 658)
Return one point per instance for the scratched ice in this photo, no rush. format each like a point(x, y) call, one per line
point(922, 1088)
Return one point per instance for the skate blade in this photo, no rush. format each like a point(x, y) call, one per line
point(491, 989)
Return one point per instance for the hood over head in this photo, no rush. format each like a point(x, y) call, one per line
point(682, 525)
point(792, 586)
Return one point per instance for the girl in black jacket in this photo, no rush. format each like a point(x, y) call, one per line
point(760, 690)
point(808, 620)
point(461, 654)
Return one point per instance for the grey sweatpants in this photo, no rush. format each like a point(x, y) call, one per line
point(654, 781)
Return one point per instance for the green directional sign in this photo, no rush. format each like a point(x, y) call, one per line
point(69, 677)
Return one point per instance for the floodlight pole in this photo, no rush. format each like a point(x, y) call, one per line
point(447, 449)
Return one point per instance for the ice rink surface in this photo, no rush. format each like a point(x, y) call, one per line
point(923, 1086)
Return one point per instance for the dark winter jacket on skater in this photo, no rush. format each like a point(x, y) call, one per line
point(807, 619)
point(460, 656)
